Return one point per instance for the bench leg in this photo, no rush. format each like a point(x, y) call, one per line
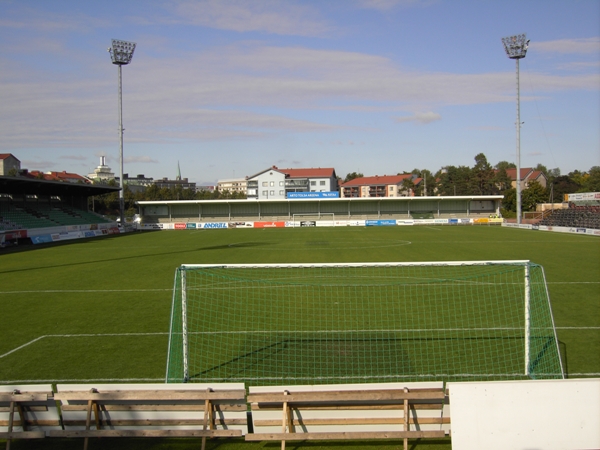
point(11, 416)
point(406, 420)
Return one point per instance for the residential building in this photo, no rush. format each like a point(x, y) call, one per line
point(63, 176)
point(268, 184)
point(139, 183)
point(527, 175)
point(166, 183)
point(275, 183)
point(311, 180)
point(7, 163)
point(380, 186)
point(233, 185)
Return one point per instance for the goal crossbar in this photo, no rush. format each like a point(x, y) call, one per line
point(356, 322)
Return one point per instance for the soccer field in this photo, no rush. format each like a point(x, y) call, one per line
point(98, 310)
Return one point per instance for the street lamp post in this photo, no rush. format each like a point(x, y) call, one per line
point(516, 48)
point(121, 53)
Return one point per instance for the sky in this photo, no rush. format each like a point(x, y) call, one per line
point(228, 88)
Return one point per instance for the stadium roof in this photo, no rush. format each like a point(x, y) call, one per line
point(27, 186)
point(317, 200)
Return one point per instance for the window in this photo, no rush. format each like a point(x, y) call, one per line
point(281, 192)
point(281, 183)
point(265, 193)
point(265, 183)
point(313, 183)
point(271, 192)
point(322, 183)
point(271, 183)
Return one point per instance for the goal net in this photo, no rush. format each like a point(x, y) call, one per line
point(361, 322)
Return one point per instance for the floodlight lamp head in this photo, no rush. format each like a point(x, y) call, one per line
point(121, 52)
point(516, 46)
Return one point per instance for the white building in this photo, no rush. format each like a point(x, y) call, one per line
point(275, 183)
point(102, 172)
point(233, 185)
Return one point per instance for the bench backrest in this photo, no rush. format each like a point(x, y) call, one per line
point(153, 406)
point(34, 403)
point(350, 408)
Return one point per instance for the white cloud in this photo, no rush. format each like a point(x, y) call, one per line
point(421, 117)
point(386, 5)
point(240, 92)
point(270, 16)
point(569, 46)
point(74, 157)
point(139, 159)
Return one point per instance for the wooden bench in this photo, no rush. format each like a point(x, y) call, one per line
point(356, 412)
point(152, 410)
point(27, 412)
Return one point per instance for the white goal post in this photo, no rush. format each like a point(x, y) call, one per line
point(362, 322)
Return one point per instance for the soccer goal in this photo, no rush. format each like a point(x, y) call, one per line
point(354, 323)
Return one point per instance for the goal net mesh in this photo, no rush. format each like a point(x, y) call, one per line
point(357, 323)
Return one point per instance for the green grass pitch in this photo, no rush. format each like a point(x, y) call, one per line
point(99, 309)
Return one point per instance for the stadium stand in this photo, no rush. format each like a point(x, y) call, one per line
point(355, 412)
point(152, 410)
point(27, 412)
point(580, 216)
point(27, 204)
point(13, 217)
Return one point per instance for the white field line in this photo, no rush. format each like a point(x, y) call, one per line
point(84, 380)
point(391, 377)
point(416, 330)
point(83, 291)
point(423, 330)
point(78, 335)
point(87, 291)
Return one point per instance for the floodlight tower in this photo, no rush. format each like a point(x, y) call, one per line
point(121, 53)
point(516, 48)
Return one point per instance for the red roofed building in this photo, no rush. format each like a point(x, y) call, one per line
point(7, 163)
point(65, 177)
point(276, 183)
point(527, 175)
point(384, 186)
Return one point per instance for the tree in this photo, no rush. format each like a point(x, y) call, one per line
point(534, 194)
point(428, 182)
point(483, 176)
point(592, 181)
point(408, 186)
point(509, 202)
point(455, 181)
point(578, 177)
point(352, 176)
point(505, 165)
point(563, 185)
point(501, 182)
point(542, 168)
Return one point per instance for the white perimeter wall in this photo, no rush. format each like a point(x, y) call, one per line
point(525, 415)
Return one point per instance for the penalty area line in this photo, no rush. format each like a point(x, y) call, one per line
point(33, 341)
point(85, 380)
point(83, 291)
